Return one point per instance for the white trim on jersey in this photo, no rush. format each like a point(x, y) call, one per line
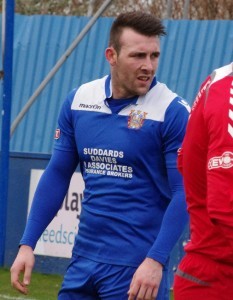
point(91, 96)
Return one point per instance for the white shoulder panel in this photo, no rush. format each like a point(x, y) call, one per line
point(90, 96)
point(222, 72)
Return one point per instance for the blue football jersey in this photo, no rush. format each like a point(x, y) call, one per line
point(124, 158)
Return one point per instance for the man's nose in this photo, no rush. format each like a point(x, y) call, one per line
point(148, 64)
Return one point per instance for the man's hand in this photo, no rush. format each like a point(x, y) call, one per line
point(146, 281)
point(23, 263)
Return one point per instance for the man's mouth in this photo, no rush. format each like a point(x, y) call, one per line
point(144, 78)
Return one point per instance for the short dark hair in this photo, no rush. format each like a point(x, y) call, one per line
point(142, 22)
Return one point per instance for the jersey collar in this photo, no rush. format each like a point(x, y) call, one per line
point(108, 86)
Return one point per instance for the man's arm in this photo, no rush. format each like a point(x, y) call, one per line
point(220, 196)
point(219, 123)
point(147, 278)
point(48, 198)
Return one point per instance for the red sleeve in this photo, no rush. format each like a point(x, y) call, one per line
point(199, 98)
point(219, 125)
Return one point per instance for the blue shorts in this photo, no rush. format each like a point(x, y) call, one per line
point(89, 280)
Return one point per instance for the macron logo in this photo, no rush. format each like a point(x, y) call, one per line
point(90, 106)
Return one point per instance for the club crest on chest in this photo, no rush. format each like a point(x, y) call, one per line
point(136, 119)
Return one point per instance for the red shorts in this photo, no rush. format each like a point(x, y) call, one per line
point(199, 277)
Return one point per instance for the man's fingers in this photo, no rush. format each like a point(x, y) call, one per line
point(134, 288)
point(27, 275)
point(151, 294)
point(23, 264)
point(20, 287)
point(141, 293)
point(15, 282)
point(155, 292)
point(15, 278)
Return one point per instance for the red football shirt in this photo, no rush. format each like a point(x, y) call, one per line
point(206, 162)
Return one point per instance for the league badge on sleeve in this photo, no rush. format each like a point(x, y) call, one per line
point(224, 161)
point(57, 134)
point(136, 119)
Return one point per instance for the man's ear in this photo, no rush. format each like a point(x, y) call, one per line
point(111, 55)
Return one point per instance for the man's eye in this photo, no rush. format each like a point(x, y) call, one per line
point(155, 55)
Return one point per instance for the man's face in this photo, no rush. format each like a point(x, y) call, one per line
point(133, 68)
